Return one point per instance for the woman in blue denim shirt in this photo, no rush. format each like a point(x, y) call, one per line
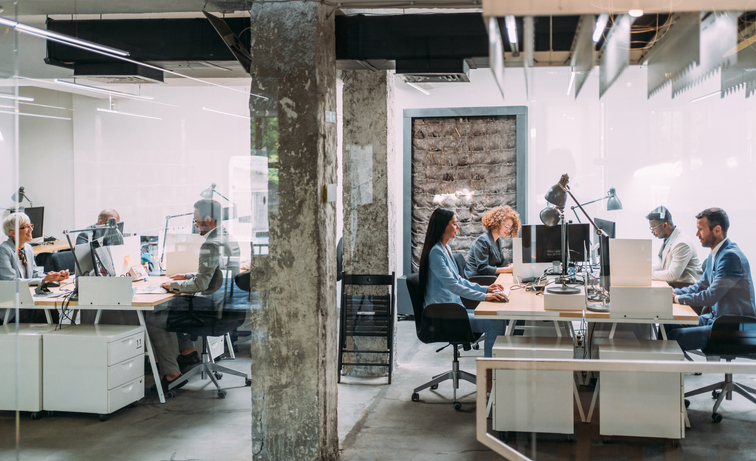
point(440, 280)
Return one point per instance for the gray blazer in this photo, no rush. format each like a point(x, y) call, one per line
point(484, 257)
point(10, 265)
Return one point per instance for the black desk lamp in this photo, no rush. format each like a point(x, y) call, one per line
point(20, 196)
point(228, 212)
point(552, 216)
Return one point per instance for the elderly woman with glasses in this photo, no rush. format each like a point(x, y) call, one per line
point(485, 256)
point(17, 256)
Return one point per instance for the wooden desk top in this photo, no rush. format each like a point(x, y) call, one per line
point(139, 300)
point(50, 247)
point(524, 304)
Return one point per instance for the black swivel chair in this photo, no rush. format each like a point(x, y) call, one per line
point(444, 323)
point(61, 260)
point(201, 319)
point(732, 336)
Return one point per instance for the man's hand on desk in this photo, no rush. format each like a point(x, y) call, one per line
point(494, 287)
point(178, 277)
point(166, 286)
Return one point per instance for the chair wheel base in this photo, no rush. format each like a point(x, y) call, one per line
point(218, 375)
point(716, 417)
point(415, 397)
point(248, 382)
point(715, 394)
point(221, 394)
point(457, 406)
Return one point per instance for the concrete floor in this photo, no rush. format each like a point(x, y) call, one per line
point(376, 422)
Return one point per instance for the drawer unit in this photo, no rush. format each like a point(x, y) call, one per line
point(533, 401)
point(641, 404)
point(29, 340)
point(93, 368)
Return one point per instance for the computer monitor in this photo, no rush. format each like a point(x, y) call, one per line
point(543, 244)
point(101, 260)
point(606, 226)
point(37, 217)
point(84, 259)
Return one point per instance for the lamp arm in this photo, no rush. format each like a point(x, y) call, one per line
point(587, 203)
point(598, 229)
point(165, 234)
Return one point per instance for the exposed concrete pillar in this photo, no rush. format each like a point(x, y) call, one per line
point(294, 341)
point(370, 181)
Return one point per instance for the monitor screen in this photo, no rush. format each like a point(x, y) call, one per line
point(606, 226)
point(37, 217)
point(543, 244)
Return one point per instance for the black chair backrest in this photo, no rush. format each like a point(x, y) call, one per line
point(62, 260)
point(339, 259)
point(446, 323)
point(733, 336)
point(243, 280)
point(484, 280)
point(416, 297)
point(459, 258)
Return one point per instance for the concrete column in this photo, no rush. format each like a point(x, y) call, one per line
point(370, 181)
point(294, 342)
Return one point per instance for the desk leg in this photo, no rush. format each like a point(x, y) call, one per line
point(611, 333)
point(99, 314)
point(7, 316)
point(663, 331)
point(151, 355)
point(558, 330)
point(510, 327)
point(48, 317)
point(577, 399)
point(593, 400)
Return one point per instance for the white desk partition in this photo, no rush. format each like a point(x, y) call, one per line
point(105, 291)
point(8, 294)
point(127, 255)
point(630, 262)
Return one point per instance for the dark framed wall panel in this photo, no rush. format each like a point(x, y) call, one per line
point(481, 150)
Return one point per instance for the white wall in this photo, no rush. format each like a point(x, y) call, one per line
point(687, 156)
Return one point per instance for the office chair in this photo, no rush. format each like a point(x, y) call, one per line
point(61, 260)
point(732, 336)
point(447, 323)
point(201, 319)
point(461, 261)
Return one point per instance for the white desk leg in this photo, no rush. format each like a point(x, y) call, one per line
point(99, 314)
point(611, 333)
point(593, 400)
point(7, 316)
point(664, 335)
point(489, 405)
point(558, 330)
point(151, 355)
point(510, 327)
point(230, 346)
point(48, 317)
point(577, 399)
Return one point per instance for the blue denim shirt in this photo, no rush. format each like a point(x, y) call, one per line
point(444, 283)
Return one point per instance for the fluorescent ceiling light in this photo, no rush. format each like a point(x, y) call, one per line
point(511, 29)
point(636, 13)
point(33, 115)
point(128, 113)
point(43, 105)
point(572, 81)
point(716, 93)
point(226, 113)
point(67, 39)
point(600, 26)
point(97, 89)
point(15, 98)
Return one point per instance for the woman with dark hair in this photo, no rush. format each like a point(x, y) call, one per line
point(440, 281)
point(485, 256)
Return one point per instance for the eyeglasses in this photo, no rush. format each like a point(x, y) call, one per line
point(28, 226)
point(653, 228)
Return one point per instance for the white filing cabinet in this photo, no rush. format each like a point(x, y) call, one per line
point(93, 368)
point(641, 404)
point(30, 349)
point(530, 401)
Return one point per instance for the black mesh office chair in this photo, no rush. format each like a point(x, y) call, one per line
point(441, 323)
point(732, 336)
point(201, 319)
point(61, 260)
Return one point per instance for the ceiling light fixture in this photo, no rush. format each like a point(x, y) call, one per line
point(33, 115)
point(109, 111)
point(636, 12)
point(27, 29)
point(598, 31)
point(716, 93)
point(511, 29)
point(97, 89)
point(226, 113)
point(16, 98)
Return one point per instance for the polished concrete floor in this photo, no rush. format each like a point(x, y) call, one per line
point(376, 422)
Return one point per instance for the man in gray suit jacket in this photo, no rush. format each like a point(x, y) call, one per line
point(726, 285)
point(678, 263)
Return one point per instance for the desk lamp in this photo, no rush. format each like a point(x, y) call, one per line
point(613, 203)
point(210, 192)
point(551, 216)
point(20, 196)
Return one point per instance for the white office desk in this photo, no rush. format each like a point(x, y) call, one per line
point(139, 304)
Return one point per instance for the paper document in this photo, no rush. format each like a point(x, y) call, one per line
point(150, 289)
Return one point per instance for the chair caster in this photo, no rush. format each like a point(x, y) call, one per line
point(103, 418)
point(434, 387)
point(170, 394)
point(476, 346)
point(218, 375)
point(716, 417)
point(675, 443)
point(457, 406)
point(715, 394)
point(687, 403)
point(415, 397)
point(247, 382)
point(221, 393)
point(35, 415)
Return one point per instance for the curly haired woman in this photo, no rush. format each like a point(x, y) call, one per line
point(485, 256)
